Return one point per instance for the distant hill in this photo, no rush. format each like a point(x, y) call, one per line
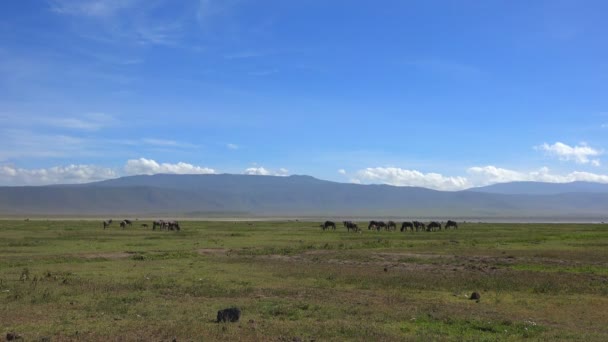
point(245, 195)
point(540, 188)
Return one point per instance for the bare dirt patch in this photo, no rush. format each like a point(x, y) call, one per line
point(108, 255)
point(213, 251)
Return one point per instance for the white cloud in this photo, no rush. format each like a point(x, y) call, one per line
point(143, 166)
point(10, 175)
point(258, 171)
point(232, 146)
point(261, 171)
point(579, 154)
point(282, 172)
point(342, 171)
point(487, 175)
point(403, 177)
point(476, 176)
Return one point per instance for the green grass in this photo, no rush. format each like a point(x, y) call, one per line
point(72, 280)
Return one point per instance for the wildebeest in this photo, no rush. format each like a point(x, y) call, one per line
point(452, 224)
point(351, 225)
point(391, 225)
point(419, 225)
point(376, 224)
point(158, 223)
point(433, 226)
point(328, 224)
point(107, 223)
point(123, 224)
point(128, 222)
point(173, 225)
point(229, 315)
point(406, 225)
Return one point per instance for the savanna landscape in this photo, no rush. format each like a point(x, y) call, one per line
point(63, 280)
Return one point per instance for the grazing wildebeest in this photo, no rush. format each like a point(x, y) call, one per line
point(452, 224)
point(376, 224)
point(144, 225)
point(380, 225)
point(158, 223)
point(173, 225)
point(229, 315)
point(328, 224)
point(351, 225)
point(128, 222)
point(391, 225)
point(123, 224)
point(107, 223)
point(406, 225)
point(433, 226)
point(419, 225)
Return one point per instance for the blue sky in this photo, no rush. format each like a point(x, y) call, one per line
point(442, 94)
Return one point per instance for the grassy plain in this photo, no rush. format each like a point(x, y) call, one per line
point(72, 280)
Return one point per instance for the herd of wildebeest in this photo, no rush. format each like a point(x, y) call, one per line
point(349, 225)
point(160, 224)
point(391, 226)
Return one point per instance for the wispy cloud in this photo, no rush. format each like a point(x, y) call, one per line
point(342, 171)
point(130, 21)
point(90, 8)
point(10, 175)
point(580, 154)
point(232, 146)
point(87, 122)
point(164, 143)
point(20, 143)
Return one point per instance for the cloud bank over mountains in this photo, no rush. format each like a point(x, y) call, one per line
point(474, 176)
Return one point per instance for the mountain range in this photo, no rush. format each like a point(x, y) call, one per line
point(229, 195)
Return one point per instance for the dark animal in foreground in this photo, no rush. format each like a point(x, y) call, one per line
point(475, 296)
point(328, 224)
point(128, 222)
point(391, 225)
point(406, 225)
point(11, 336)
point(107, 223)
point(452, 224)
point(123, 224)
point(229, 315)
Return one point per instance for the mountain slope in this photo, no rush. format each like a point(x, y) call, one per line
point(540, 188)
point(233, 195)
